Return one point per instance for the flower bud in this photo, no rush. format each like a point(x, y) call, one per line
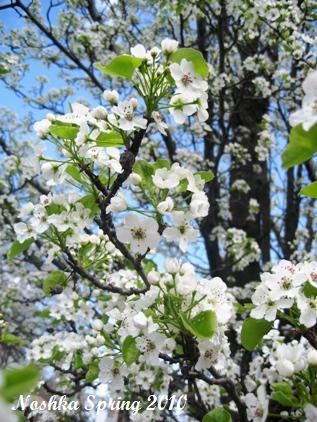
point(134, 179)
point(100, 341)
point(169, 46)
point(50, 117)
point(165, 206)
point(155, 51)
point(97, 324)
point(134, 102)
point(99, 113)
point(140, 321)
point(111, 96)
point(172, 265)
point(312, 357)
point(285, 368)
point(153, 277)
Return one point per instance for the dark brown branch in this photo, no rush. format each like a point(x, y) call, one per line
point(107, 287)
point(230, 388)
point(93, 12)
point(8, 6)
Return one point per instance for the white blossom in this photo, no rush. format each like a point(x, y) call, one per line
point(140, 233)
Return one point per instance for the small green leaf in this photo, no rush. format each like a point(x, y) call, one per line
point(78, 360)
point(55, 209)
point(310, 190)
point(56, 278)
point(74, 173)
point(18, 248)
point(207, 176)
point(93, 372)
point(89, 201)
point(11, 339)
point(107, 338)
point(243, 308)
point(121, 66)
point(309, 290)
point(283, 394)
point(3, 70)
point(109, 139)
point(253, 330)
point(162, 164)
point(57, 354)
point(64, 131)
point(149, 265)
point(146, 171)
point(203, 325)
point(302, 146)
point(217, 415)
point(19, 381)
point(194, 56)
point(130, 352)
point(43, 314)
point(183, 186)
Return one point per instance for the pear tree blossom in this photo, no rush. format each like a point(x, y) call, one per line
point(155, 242)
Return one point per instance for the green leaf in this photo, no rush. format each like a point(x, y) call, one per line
point(182, 187)
point(130, 352)
point(89, 201)
point(207, 176)
point(19, 381)
point(107, 338)
point(78, 360)
point(146, 171)
point(149, 265)
point(283, 394)
point(246, 307)
point(66, 131)
point(55, 209)
point(194, 56)
point(74, 173)
point(43, 314)
point(302, 146)
point(143, 169)
point(217, 415)
point(56, 278)
point(57, 354)
point(310, 190)
point(162, 164)
point(109, 139)
point(253, 331)
point(203, 325)
point(11, 339)
point(93, 372)
point(3, 70)
point(309, 290)
point(18, 248)
point(121, 66)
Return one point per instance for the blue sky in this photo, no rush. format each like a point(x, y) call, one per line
point(10, 19)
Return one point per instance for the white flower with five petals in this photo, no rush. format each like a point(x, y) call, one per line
point(187, 80)
point(127, 120)
point(182, 231)
point(141, 233)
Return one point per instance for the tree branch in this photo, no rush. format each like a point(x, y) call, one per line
point(56, 42)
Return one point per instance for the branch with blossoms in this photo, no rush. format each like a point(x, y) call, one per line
point(139, 318)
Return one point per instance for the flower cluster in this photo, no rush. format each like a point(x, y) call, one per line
point(64, 212)
point(190, 96)
point(143, 322)
point(287, 286)
point(142, 233)
point(307, 115)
